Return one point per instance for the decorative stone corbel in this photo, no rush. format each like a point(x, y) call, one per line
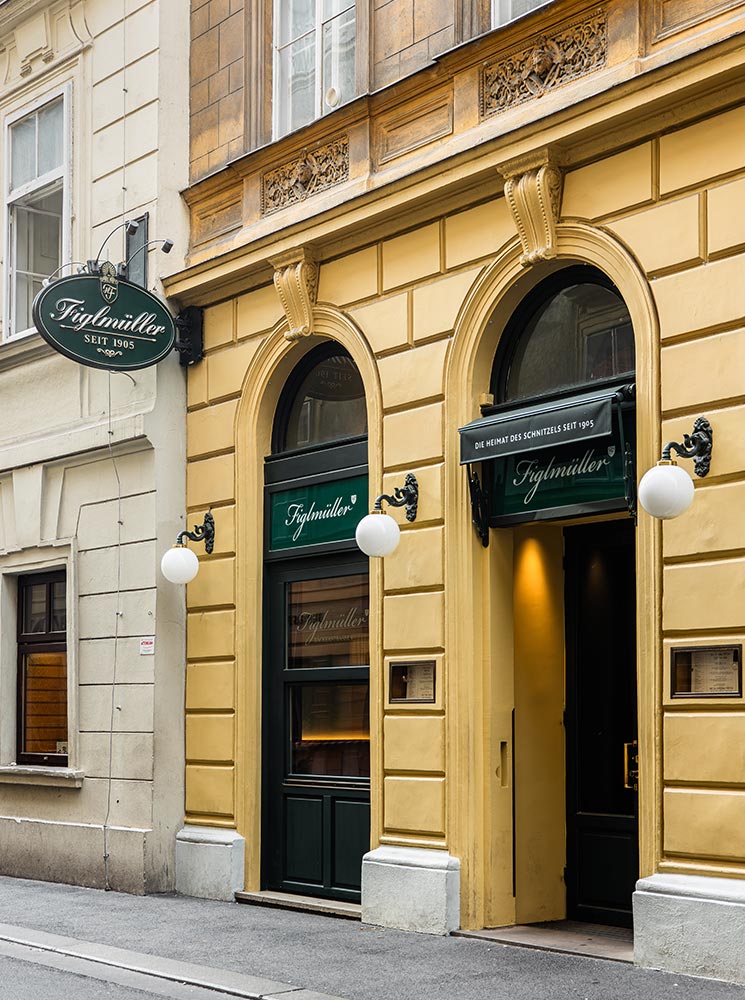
point(79, 24)
point(533, 192)
point(296, 281)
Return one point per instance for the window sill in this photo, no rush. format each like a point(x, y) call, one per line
point(23, 348)
point(55, 777)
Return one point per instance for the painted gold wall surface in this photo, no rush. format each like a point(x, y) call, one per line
point(419, 273)
point(540, 787)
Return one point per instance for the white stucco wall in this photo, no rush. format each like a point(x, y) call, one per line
point(125, 66)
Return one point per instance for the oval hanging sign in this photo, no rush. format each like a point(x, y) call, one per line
point(103, 321)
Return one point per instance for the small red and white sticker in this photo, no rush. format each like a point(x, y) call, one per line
point(147, 645)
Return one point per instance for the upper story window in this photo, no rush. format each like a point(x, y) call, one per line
point(571, 330)
point(504, 11)
point(314, 60)
point(323, 403)
point(35, 199)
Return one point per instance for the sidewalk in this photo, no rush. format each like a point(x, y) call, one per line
point(326, 955)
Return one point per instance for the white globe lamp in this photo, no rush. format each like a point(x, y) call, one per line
point(666, 491)
point(377, 534)
point(179, 564)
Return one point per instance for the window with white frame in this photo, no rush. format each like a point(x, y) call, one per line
point(35, 199)
point(42, 735)
point(504, 11)
point(314, 60)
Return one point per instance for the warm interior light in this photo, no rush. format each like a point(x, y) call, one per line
point(666, 490)
point(179, 564)
point(377, 534)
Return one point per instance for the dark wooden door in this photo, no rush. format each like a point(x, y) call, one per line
point(316, 740)
point(602, 826)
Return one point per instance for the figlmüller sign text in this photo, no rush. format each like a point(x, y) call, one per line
point(104, 322)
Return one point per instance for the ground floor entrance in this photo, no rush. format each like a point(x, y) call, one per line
point(316, 801)
point(601, 728)
point(575, 828)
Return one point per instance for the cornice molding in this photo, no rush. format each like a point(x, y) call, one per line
point(622, 105)
point(296, 281)
point(31, 28)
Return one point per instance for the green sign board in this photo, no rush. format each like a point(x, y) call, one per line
point(313, 515)
point(104, 322)
point(565, 481)
point(557, 478)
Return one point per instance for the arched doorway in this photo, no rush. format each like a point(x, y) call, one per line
point(315, 703)
point(557, 449)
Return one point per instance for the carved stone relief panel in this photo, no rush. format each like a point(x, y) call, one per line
point(306, 175)
point(549, 62)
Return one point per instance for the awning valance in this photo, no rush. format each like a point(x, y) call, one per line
point(539, 425)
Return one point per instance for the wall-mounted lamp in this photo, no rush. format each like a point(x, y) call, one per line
point(666, 490)
point(130, 226)
point(70, 263)
point(180, 564)
point(377, 533)
point(122, 270)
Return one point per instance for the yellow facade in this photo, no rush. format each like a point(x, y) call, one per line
point(418, 284)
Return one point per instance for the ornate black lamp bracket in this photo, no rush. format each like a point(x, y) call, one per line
point(403, 496)
point(697, 446)
point(479, 507)
point(204, 532)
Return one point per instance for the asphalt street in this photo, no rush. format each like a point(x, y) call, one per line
point(300, 955)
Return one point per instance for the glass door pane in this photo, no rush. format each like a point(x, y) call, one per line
point(328, 622)
point(330, 729)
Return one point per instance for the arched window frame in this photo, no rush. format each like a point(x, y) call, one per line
point(535, 300)
point(289, 394)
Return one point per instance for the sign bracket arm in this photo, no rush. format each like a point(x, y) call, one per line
point(479, 506)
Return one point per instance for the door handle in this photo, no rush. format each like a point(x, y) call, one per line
point(631, 765)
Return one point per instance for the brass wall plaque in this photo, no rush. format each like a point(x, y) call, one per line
point(706, 671)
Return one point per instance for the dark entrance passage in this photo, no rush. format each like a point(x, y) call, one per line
point(601, 726)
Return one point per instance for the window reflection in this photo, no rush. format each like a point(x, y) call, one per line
point(581, 334)
point(328, 622)
point(328, 406)
point(35, 609)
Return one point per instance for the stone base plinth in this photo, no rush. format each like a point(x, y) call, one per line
point(691, 925)
point(412, 889)
point(209, 862)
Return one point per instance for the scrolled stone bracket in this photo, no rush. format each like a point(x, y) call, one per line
point(534, 197)
point(296, 281)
